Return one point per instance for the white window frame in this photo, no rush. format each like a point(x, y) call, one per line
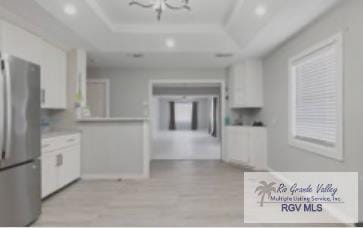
point(335, 152)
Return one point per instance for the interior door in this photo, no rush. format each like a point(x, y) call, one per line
point(20, 195)
point(23, 79)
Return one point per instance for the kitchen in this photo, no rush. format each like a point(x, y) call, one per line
point(64, 165)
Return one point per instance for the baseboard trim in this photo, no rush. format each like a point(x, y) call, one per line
point(331, 211)
point(180, 158)
point(114, 177)
point(60, 189)
point(245, 165)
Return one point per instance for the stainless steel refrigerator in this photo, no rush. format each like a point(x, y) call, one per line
point(20, 200)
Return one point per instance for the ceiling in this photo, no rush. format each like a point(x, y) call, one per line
point(117, 35)
point(120, 14)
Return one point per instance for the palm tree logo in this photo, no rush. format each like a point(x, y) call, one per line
point(265, 189)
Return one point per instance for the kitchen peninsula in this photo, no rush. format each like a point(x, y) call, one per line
point(115, 148)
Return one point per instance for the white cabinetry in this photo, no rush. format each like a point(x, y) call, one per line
point(70, 170)
point(60, 162)
point(20, 43)
point(78, 72)
point(49, 174)
point(23, 44)
point(54, 70)
point(238, 145)
point(247, 145)
point(245, 85)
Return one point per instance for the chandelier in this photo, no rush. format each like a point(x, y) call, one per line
point(160, 5)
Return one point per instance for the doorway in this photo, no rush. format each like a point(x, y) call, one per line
point(186, 120)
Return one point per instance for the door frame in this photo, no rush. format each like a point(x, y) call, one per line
point(106, 83)
point(221, 84)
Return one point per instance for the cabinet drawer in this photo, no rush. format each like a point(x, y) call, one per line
point(52, 144)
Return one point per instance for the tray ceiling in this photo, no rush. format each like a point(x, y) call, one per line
point(113, 32)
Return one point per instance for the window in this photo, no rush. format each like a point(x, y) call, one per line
point(183, 115)
point(315, 99)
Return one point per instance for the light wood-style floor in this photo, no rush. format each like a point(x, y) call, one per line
point(184, 144)
point(179, 193)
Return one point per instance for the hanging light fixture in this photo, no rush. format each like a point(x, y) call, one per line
point(161, 5)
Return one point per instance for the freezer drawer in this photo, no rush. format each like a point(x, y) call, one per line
point(20, 202)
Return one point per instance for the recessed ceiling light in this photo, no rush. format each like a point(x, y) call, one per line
point(260, 10)
point(70, 9)
point(170, 43)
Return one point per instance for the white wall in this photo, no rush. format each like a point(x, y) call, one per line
point(346, 18)
point(130, 88)
point(204, 113)
point(163, 114)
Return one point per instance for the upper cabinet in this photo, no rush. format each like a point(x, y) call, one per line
point(245, 85)
point(19, 43)
point(53, 62)
point(53, 81)
point(78, 72)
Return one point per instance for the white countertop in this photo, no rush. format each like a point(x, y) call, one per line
point(52, 134)
point(119, 119)
point(245, 126)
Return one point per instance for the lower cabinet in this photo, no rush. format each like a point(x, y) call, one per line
point(49, 174)
point(238, 145)
point(70, 168)
point(60, 162)
point(247, 146)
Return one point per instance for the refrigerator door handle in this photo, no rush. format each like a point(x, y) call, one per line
point(2, 113)
point(8, 110)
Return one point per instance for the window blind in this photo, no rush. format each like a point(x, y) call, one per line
point(315, 101)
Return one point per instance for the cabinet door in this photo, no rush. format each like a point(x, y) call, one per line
point(49, 174)
point(53, 77)
point(239, 98)
point(238, 145)
point(59, 85)
point(258, 147)
point(69, 169)
point(46, 75)
point(20, 43)
point(246, 86)
point(237, 86)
